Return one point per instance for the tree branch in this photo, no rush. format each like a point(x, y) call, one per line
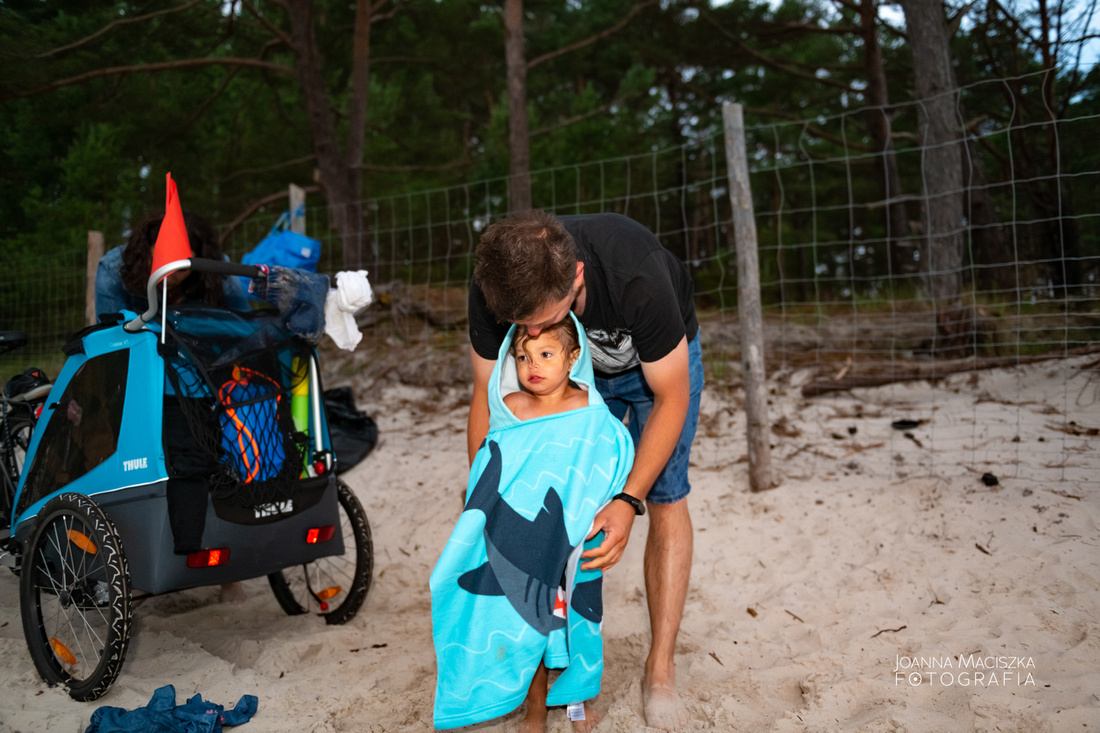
point(591, 39)
point(769, 62)
point(411, 168)
point(255, 206)
point(271, 27)
point(267, 169)
point(838, 30)
point(575, 118)
point(146, 68)
point(114, 24)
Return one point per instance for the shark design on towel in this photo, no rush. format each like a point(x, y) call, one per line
point(508, 592)
point(512, 570)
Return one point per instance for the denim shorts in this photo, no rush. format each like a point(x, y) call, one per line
point(630, 399)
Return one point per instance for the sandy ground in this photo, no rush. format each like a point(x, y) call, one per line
point(881, 587)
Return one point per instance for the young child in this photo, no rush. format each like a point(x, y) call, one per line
point(542, 366)
point(509, 598)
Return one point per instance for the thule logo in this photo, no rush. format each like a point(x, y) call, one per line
point(135, 463)
point(273, 509)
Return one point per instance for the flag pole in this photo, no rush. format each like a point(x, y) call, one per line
point(164, 311)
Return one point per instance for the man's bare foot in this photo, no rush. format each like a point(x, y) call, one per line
point(231, 593)
point(663, 707)
point(591, 720)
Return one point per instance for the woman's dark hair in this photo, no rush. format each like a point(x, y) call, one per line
point(137, 258)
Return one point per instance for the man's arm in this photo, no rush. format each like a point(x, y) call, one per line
point(477, 427)
point(669, 379)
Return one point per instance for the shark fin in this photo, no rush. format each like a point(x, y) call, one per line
point(487, 489)
point(481, 581)
point(587, 599)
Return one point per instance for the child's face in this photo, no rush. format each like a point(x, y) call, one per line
point(542, 363)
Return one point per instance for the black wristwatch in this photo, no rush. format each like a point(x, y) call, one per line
point(638, 504)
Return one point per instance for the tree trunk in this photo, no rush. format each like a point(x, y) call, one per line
point(941, 253)
point(897, 219)
point(340, 176)
point(519, 143)
point(990, 246)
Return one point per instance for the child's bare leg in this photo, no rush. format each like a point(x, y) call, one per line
point(534, 720)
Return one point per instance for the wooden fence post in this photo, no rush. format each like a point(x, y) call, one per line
point(297, 202)
point(95, 252)
point(748, 300)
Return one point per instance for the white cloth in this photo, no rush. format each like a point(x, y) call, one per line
point(351, 293)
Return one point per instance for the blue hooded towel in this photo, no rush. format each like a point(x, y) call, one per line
point(508, 591)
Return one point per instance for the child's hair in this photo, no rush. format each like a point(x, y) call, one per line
point(565, 329)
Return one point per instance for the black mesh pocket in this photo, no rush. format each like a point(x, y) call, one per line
point(237, 408)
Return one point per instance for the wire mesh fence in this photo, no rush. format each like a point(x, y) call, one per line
point(845, 250)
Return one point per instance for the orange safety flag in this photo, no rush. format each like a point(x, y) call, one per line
point(172, 243)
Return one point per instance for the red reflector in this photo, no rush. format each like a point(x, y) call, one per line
point(319, 468)
point(208, 558)
point(320, 534)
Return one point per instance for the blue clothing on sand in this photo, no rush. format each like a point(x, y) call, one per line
point(162, 715)
point(111, 295)
point(508, 591)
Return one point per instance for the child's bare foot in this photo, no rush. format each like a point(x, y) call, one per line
point(663, 707)
point(591, 720)
point(534, 720)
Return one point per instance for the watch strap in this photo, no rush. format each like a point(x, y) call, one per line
point(638, 504)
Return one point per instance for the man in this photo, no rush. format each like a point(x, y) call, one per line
point(635, 301)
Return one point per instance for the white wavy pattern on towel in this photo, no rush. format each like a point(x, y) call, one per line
point(537, 484)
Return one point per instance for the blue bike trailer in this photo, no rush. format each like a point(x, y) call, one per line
point(100, 435)
point(92, 519)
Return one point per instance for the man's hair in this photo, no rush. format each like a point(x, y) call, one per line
point(137, 258)
point(565, 330)
point(525, 261)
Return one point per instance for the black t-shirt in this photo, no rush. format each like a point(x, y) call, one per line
point(639, 298)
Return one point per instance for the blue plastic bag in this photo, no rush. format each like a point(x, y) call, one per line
point(250, 430)
point(284, 248)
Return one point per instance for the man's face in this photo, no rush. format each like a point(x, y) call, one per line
point(548, 315)
point(555, 310)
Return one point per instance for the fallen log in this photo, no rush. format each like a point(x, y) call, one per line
point(933, 370)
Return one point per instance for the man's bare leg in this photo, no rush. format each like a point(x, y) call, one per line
point(667, 567)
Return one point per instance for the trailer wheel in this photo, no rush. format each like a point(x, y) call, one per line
point(74, 593)
point(336, 586)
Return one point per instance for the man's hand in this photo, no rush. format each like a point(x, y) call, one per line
point(615, 520)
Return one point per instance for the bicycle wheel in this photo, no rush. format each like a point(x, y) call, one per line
point(336, 586)
point(74, 593)
point(13, 450)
